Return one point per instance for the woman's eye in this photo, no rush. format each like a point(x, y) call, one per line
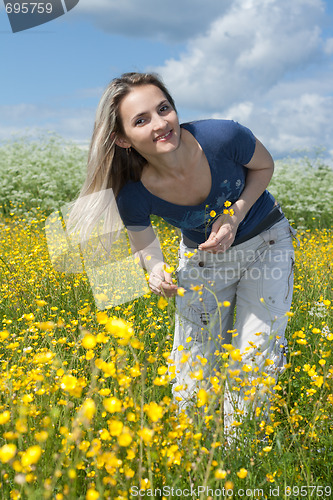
point(139, 121)
point(164, 108)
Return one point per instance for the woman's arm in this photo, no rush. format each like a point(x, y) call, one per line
point(260, 171)
point(146, 247)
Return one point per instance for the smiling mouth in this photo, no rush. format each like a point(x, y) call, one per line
point(163, 137)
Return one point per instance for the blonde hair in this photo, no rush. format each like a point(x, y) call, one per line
point(109, 166)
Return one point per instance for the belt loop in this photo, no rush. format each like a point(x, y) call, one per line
point(274, 233)
point(270, 236)
point(293, 233)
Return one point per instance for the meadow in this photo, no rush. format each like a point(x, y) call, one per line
point(86, 410)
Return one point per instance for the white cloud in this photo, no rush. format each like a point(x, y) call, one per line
point(329, 46)
point(289, 124)
point(171, 21)
point(245, 52)
point(32, 120)
point(253, 65)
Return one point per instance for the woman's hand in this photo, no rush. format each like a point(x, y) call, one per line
point(160, 281)
point(222, 235)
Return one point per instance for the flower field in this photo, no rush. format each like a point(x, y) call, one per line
point(85, 401)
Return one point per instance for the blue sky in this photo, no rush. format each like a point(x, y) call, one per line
point(265, 63)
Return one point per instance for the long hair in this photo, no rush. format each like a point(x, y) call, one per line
point(109, 166)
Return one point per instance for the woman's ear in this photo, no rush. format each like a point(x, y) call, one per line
point(122, 143)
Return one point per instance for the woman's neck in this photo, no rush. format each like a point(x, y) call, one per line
point(177, 162)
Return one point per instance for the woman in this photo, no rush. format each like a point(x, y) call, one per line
point(242, 260)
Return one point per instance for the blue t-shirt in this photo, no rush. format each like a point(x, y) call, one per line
point(227, 146)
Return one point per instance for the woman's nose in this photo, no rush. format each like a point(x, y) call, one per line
point(159, 122)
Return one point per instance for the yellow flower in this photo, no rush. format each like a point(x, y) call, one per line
point(43, 357)
point(268, 381)
point(145, 484)
point(45, 326)
point(236, 355)
point(242, 473)
point(89, 341)
point(226, 303)
point(92, 494)
point(112, 405)
point(212, 213)
point(135, 371)
point(197, 374)
point(125, 437)
point(29, 317)
point(4, 417)
point(41, 436)
point(90, 354)
point(4, 334)
point(162, 303)
point(102, 317)
point(154, 411)
point(120, 329)
point(27, 398)
point(169, 269)
point(129, 473)
point(88, 408)
point(31, 455)
point(146, 435)
point(40, 303)
point(72, 473)
point(115, 427)
point(181, 291)
point(71, 384)
point(319, 380)
point(7, 452)
point(227, 204)
point(220, 474)
point(202, 397)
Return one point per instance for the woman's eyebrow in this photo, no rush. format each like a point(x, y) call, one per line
point(146, 112)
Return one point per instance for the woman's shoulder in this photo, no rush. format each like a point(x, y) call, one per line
point(223, 137)
point(133, 194)
point(134, 204)
point(219, 134)
point(223, 129)
point(210, 124)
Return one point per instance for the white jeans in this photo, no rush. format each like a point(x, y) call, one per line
point(256, 277)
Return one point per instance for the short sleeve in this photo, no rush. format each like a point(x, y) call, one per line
point(134, 207)
point(239, 143)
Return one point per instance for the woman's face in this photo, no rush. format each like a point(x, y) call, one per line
point(149, 121)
